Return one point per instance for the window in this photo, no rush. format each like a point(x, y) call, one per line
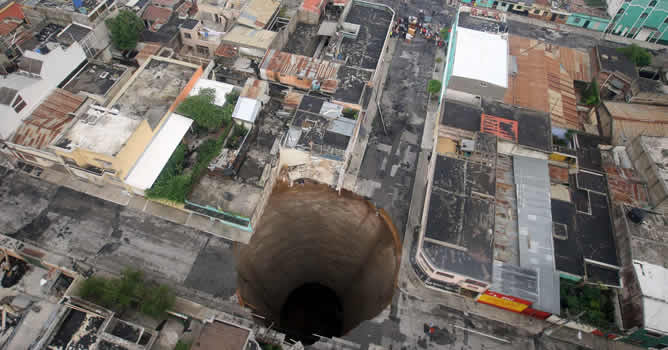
point(446, 275)
point(202, 50)
point(483, 84)
point(18, 104)
point(620, 12)
point(576, 20)
point(187, 35)
point(69, 161)
point(653, 3)
point(104, 163)
point(644, 15)
point(665, 20)
point(476, 283)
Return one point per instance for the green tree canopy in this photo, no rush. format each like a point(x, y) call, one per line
point(637, 54)
point(125, 29)
point(201, 109)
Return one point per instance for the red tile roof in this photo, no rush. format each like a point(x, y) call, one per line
point(225, 50)
point(157, 14)
point(314, 6)
point(48, 120)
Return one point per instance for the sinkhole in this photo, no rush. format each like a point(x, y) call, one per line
point(319, 262)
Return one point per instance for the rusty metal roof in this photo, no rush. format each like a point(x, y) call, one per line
point(288, 66)
point(155, 13)
point(48, 120)
point(544, 79)
point(225, 50)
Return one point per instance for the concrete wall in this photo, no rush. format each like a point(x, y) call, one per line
point(476, 87)
point(283, 35)
point(604, 121)
point(658, 197)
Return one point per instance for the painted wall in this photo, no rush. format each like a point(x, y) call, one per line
point(588, 22)
point(632, 16)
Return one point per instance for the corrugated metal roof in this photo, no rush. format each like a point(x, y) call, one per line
point(534, 219)
point(258, 13)
point(301, 67)
point(48, 120)
point(544, 80)
point(631, 120)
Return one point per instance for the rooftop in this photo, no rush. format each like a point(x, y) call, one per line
point(297, 70)
point(319, 126)
point(226, 194)
point(585, 244)
point(96, 79)
point(73, 32)
point(454, 241)
point(100, 131)
point(157, 13)
point(466, 20)
point(87, 6)
point(612, 60)
point(165, 34)
point(632, 119)
point(625, 184)
point(351, 84)
point(258, 13)
point(153, 89)
point(534, 220)
point(364, 52)
point(651, 85)
point(221, 89)
point(149, 165)
point(657, 150)
point(530, 128)
point(249, 37)
point(304, 40)
point(472, 51)
point(544, 79)
point(222, 336)
point(49, 119)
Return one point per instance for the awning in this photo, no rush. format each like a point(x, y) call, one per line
point(156, 155)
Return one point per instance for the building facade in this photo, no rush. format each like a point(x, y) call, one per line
point(645, 20)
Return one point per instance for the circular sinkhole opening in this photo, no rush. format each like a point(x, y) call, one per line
point(319, 262)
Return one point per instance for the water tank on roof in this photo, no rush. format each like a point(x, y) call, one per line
point(636, 215)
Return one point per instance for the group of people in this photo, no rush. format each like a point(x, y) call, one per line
point(409, 27)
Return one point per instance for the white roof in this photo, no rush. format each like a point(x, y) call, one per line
point(222, 89)
point(653, 280)
point(156, 155)
point(481, 56)
point(246, 109)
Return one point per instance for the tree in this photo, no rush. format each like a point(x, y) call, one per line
point(125, 29)
point(591, 96)
point(637, 54)
point(201, 109)
point(434, 86)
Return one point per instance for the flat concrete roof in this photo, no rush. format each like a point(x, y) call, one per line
point(459, 232)
point(96, 78)
point(249, 37)
point(221, 336)
point(226, 194)
point(221, 89)
point(481, 56)
point(153, 88)
point(99, 131)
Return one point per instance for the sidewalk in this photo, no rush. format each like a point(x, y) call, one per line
point(124, 198)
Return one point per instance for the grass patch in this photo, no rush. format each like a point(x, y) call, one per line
point(175, 182)
point(182, 346)
point(129, 292)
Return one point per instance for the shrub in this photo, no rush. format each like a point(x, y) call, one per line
point(182, 346)
point(434, 86)
point(130, 291)
point(125, 29)
point(445, 33)
point(350, 113)
point(591, 96)
point(637, 54)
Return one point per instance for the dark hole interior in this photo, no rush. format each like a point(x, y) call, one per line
point(312, 309)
